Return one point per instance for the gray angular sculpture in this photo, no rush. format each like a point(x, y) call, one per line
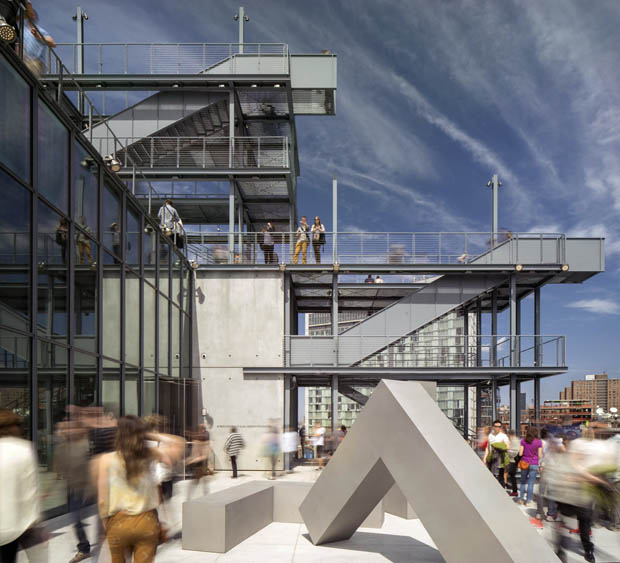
point(401, 436)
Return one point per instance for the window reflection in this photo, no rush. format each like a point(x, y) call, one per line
point(175, 338)
point(163, 335)
point(111, 220)
point(53, 174)
point(132, 256)
point(85, 319)
point(85, 379)
point(85, 193)
point(15, 375)
point(15, 120)
point(150, 321)
point(131, 392)
point(112, 389)
point(111, 310)
point(132, 319)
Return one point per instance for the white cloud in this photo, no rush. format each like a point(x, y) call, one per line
point(599, 306)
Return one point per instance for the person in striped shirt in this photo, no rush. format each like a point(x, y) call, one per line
point(233, 446)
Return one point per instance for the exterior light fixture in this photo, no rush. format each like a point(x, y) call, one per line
point(282, 266)
point(99, 85)
point(7, 32)
point(254, 85)
point(336, 267)
point(175, 85)
point(565, 267)
point(112, 164)
point(276, 85)
point(519, 267)
point(222, 85)
point(194, 265)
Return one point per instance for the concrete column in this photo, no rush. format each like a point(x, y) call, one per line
point(335, 413)
point(494, 328)
point(231, 224)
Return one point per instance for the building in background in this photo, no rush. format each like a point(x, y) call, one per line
point(597, 389)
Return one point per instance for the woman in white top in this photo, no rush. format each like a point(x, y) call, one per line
point(318, 238)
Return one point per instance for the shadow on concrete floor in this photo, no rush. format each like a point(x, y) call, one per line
point(398, 549)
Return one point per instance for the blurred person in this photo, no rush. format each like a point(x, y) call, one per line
point(128, 493)
point(550, 446)
point(510, 474)
point(302, 442)
point(318, 442)
point(116, 241)
point(71, 462)
point(493, 460)
point(369, 279)
point(379, 279)
point(569, 473)
point(318, 238)
point(19, 490)
point(62, 234)
point(271, 448)
point(168, 218)
point(198, 460)
point(36, 39)
point(268, 243)
point(531, 453)
point(302, 241)
point(288, 444)
point(171, 445)
point(233, 446)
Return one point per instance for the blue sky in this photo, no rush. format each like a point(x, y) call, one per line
point(433, 98)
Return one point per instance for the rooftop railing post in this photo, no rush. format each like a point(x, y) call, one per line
point(204, 152)
point(335, 220)
point(258, 155)
point(178, 151)
point(204, 56)
point(151, 61)
point(152, 150)
point(126, 58)
point(178, 58)
point(100, 59)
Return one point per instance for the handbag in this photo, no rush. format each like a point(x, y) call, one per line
point(523, 465)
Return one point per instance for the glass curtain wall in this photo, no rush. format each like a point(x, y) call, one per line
point(94, 301)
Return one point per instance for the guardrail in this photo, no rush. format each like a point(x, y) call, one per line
point(174, 58)
point(376, 248)
point(426, 351)
point(197, 152)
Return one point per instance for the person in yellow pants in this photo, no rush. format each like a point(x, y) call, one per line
point(302, 241)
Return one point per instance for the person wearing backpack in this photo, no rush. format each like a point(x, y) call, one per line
point(531, 452)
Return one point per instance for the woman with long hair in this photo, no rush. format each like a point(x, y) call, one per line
point(318, 238)
point(531, 452)
point(129, 493)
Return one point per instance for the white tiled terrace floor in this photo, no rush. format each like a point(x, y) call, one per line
point(398, 540)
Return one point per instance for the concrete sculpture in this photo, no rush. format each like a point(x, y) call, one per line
point(402, 437)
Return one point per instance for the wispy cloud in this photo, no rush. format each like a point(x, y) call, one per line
point(598, 306)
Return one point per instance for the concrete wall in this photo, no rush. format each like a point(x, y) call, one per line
point(239, 322)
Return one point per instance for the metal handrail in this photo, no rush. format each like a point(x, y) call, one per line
point(419, 350)
point(179, 58)
point(197, 152)
point(379, 248)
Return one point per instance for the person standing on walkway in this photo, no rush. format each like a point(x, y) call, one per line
point(233, 446)
point(268, 243)
point(531, 453)
point(318, 441)
point(302, 241)
point(168, 218)
point(271, 448)
point(318, 238)
point(19, 489)
point(497, 435)
point(128, 493)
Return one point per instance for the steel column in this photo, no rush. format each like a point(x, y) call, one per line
point(466, 411)
point(493, 399)
point(335, 220)
point(335, 413)
point(514, 355)
point(478, 405)
point(478, 332)
point(231, 223)
point(287, 417)
point(537, 341)
point(515, 415)
point(494, 328)
point(537, 400)
point(466, 337)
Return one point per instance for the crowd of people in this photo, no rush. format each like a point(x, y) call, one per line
point(577, 478)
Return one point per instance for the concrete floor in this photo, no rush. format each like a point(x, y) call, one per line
point(398, 540)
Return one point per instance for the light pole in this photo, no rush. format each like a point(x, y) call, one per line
point(494, 184)
point(241, 18)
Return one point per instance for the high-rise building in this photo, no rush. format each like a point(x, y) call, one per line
point(596, 389)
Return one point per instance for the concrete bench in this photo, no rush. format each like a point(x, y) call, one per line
point(219, 521)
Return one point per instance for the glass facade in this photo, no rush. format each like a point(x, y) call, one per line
point(94, 307)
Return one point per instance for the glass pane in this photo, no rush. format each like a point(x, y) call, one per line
point(85, 319)
point(164, 266)
point(186, 287)
point(14, 253)
point(176, 283)
point(52, 273)
point(52, 404)
point(85, 380)
point(85, 250)
point(149, 241)
point(186, 348)
point(111, 219)
point(133, 238)
point(149, 393)
point(15, 376)
point(149, 326)
point(175, 337)
point(85, 172)
point(15, 119)
point(131, 392)
point(163, 335)
point(111, 310)
point(53, 158)
point(112, 390)
point(132, 319)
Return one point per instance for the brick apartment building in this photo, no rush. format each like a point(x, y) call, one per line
point(596, 389)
